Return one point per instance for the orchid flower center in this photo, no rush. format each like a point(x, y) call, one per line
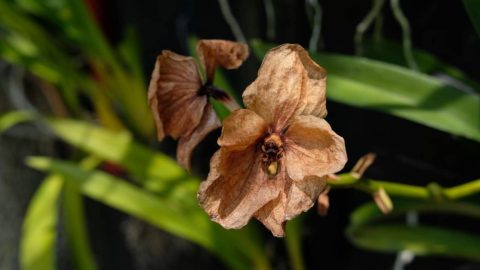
point(272, 148)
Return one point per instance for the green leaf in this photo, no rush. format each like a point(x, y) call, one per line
point(13, 118)
point(293, 242)
point(391, 89)
point(369, 229)
point(75, 223)
point(392, 52)
point(154, 170)
point(422, 240)
point(473, 10)
point(187, 221)
point(37, 245)
point(160, 174)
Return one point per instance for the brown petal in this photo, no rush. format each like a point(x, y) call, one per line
point(312, 148)
point(295, 198)
point(241, 129)
point(236, 187)
point(289, 83)
point(172, 95)
point(186, 144)
point(215, 52)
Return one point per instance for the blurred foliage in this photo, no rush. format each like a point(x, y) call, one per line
point(59, 42)
point(371, 229)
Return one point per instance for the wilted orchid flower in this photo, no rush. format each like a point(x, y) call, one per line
point(179, 99)
point(275, 154)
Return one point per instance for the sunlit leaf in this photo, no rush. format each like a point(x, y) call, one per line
point(76, 224)
point(153, 169)
point(398, 91)
point(12, 118)
point(37, 246)
point(186, 221)
point(160, 174)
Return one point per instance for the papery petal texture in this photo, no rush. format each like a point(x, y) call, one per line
point(172, 92)
point(293, 199)
point(313, 148)
point(289, 83)
point(242, 128)
point(186, 144)
point(216, 52)
point(236, 187)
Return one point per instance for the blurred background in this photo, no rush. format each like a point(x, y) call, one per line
point(403, 83)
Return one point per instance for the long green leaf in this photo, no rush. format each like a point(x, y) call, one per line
point(76, 224)
point(157, 173)
point(422, 240)
point(392, 52)
point(368, 230)
point(153, 169)
point(12, 118)
point(398, 91)
point(473, 10)
point(37, 246)
point(187, 221)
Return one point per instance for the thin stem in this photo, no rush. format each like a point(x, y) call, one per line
point(462, 190)
point(363, 26)
point(407, 42)
point(316, 25)
point(347, 180)
point(270, 16)
point(293, 243)
point(232, 22)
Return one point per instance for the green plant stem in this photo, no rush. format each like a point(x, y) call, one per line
point(349, 180)
point(407, 41)
point(363, 26)
point(293, 243)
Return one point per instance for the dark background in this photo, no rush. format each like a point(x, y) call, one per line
point(407, 152)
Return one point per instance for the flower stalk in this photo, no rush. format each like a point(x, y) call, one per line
point(349, 180)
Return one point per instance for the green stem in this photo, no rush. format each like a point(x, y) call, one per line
point(365, 24)
point(293, 243)
point(462, 190)
point(407, 42)
point(349, 180)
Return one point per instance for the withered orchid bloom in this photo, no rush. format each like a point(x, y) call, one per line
point(275, 154)
point(178, 97)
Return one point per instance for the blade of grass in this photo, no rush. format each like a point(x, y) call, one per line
point(37, 244)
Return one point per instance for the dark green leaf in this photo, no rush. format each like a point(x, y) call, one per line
point(369, 230)
point(473, 10)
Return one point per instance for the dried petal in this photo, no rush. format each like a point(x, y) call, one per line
point(363, 164)
point(323, 202)
point(186, 144)
point(383, 201)
point(241, 129)
point(294, 198)
point(289, 83)
point(236, 187)
point(215, 52)
point(173, 92)
point(313, 148)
